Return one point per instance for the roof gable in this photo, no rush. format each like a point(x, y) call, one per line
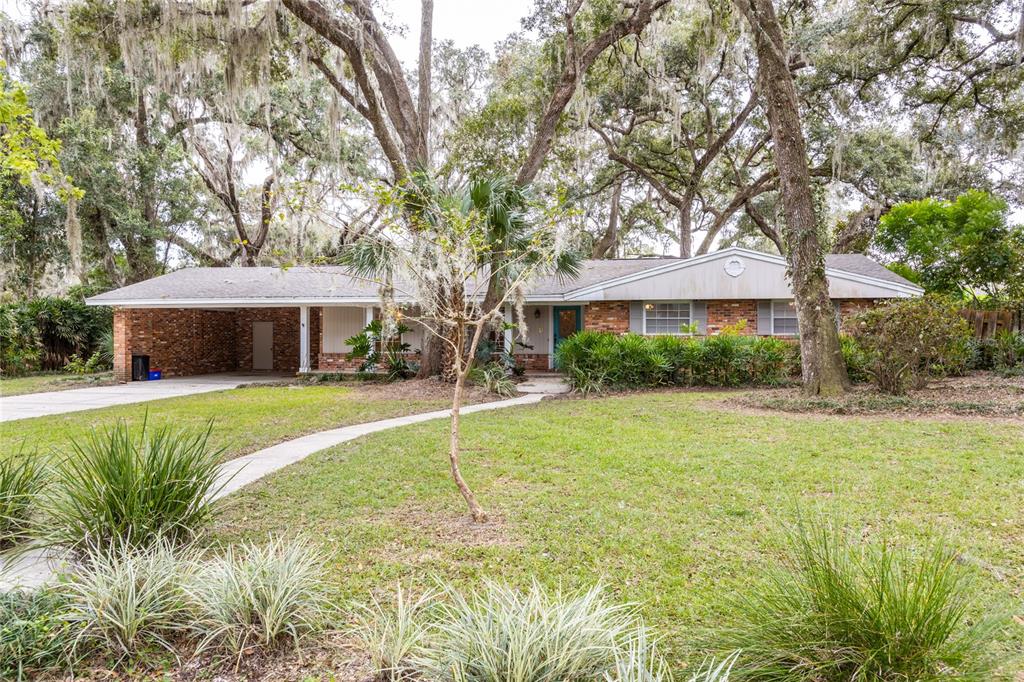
point(737, 273)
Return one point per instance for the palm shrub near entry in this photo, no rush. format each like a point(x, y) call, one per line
point(836, 611)
point(21, 479)
point(118, 485)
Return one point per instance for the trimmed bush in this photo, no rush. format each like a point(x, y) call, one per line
point(838, 612)
point(596, 360)
point(127, 600)
point(21, 479)
point(35, 633)
point(118, 486)
point(906, 341)
point(257, 596)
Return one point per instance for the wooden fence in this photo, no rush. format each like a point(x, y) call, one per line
point(987, 322)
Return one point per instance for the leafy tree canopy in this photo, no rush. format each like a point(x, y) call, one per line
point(964, 247)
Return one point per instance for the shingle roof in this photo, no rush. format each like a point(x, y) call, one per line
point(860, 264)
point(270, 285)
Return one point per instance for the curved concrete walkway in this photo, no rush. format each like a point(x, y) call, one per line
point(35, 568)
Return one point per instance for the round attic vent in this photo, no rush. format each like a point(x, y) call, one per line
point(735, 266)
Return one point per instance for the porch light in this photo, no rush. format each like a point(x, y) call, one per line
point(648, 306)
point(536, 313)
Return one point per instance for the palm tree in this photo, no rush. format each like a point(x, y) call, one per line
point(504, 206)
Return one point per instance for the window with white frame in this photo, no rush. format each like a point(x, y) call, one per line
point(784, 318)
point(668, 317)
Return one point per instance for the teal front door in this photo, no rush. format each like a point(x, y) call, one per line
point(568, 319)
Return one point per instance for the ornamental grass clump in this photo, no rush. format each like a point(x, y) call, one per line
point(123, 486)
point(838, 612)
point(499, 634)
point(21, 480)
point(127, 600)
point(258, 596)
point(395, 634)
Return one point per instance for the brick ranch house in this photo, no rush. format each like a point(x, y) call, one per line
point(208, 320)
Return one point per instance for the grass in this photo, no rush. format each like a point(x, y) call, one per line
point(245, 419)
point(673, 499)
point(52, 381)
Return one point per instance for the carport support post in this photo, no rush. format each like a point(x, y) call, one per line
point(303, 339)
point(508, 331)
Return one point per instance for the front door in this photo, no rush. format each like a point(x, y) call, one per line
point(568, 321)
point(263, 345)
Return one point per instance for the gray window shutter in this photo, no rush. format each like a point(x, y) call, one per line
point(636, 317)
point(839, 315)
point(699, 314)
point(764, 318)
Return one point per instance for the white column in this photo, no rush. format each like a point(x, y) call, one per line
point(303, 339)
point(509, 342)
point(369, 315)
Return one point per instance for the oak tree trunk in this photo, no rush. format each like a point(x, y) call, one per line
point(605, 246)
point(824, 372)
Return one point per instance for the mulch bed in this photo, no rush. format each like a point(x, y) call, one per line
point(983, 394)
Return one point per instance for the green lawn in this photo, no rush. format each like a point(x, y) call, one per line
point(673, 499)
point(52, 381)
point(245, 419)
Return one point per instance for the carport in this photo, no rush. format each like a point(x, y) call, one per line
point(214, 320)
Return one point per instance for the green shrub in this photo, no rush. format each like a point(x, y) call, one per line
point(494, 378)
point(855, 358)
point(35, 633)
point(119, 486)
point(21, 479)
point(256, 596)
point(44, 333)
point(594, 360)
point(1007, 349)
point(908, 340)
point(127, 601)
point(838, 612)
point(394, 634)
point(499, 634)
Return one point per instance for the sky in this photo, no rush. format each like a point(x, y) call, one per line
point(466, 22)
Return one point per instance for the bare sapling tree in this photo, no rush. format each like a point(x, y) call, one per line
point(437, 274)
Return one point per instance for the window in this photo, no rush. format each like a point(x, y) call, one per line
point(666, 318)
point(784, 318)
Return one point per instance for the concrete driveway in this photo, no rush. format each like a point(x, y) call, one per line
point(77, 399)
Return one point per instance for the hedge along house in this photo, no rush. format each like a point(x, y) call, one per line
point(208, 320)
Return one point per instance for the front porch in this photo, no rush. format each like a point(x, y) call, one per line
point(191, 341)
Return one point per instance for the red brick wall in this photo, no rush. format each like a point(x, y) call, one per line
point(606, 316)
point(179, 342)
point(533, 362)
point(725, 313)
point(852, 306)
point(185, 342)
point(337, 362)
point(286, 336)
